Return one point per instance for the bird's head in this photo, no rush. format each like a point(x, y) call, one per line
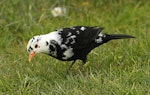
point(35, 46)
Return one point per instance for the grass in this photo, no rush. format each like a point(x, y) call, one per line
point(116, 68)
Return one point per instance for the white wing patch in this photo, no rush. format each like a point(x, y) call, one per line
point(69, 34)
point(63, 46)
point(72, 38)
point(68, 53)
point(99, 39)
point(82, 28)
point(78, 32)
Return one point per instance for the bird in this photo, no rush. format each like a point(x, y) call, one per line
point(71, 43)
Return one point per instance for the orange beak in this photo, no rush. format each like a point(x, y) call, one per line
point(31, 55)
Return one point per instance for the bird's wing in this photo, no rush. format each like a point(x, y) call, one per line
point(79, 36)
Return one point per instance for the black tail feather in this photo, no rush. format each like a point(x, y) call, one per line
point(118, 36)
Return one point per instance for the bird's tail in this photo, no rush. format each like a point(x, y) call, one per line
point(117, 36)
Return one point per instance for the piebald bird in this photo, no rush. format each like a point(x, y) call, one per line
point(70, 44)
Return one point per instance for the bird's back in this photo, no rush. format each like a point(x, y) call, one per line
point(81, 39)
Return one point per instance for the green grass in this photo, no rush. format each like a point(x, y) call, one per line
point(116, 68)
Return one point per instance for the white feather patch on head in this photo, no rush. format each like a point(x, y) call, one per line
point(41, 41)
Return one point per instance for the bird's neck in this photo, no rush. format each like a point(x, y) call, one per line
point(43, 43)
point(49, 43)
point(45, 50)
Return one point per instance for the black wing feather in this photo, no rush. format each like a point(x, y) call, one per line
point(82, 38)
point(87, 37)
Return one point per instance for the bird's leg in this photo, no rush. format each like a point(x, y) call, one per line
point(81, 66)
point(70, 66)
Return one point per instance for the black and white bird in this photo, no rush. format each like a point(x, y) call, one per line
point(70, 44)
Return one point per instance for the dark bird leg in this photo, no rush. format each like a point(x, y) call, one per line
point(70, 67)
point(83, 62)
point(80, 67)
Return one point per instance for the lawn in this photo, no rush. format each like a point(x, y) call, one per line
point(120, 67)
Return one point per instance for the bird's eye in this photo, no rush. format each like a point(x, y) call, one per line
point(36, 46)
